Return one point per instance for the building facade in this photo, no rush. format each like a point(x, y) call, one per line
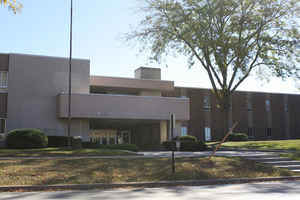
point(107, 110)
point(113, 110)
point(261, 115)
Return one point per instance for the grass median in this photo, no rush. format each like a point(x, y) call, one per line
point(61, 152)
point(88, 171)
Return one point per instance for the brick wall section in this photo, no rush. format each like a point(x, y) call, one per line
point(3, 105)
point(198, 117)
point(240, 112)
point(217, 119)
point(196, 122)
point(278, 125)
point(259, 115)
point(4, 59)
point(294, 111)
point(4, 62)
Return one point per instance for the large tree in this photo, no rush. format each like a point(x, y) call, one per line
point(12, 4)
point(229, 39)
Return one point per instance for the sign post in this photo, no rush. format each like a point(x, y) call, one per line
point(172, 127)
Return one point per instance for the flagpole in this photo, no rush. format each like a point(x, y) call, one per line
point(70, 77)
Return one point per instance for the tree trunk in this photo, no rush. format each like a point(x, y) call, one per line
point(226, 106)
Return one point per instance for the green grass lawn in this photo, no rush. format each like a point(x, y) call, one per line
point(266, 145)
point(87, 171)
point(61, 152)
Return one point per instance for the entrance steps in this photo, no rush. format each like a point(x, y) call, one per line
point(277, 161)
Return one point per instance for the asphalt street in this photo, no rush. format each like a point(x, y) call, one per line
point(259, 191)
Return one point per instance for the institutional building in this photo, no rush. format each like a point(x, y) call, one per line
point(136, 110)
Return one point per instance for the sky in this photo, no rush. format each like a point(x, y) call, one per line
point(42, 28)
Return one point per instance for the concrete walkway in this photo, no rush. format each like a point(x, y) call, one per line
point(253, 191)
point(166, 154)
point(160, 154)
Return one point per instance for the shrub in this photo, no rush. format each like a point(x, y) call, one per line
point(57, 141)
point(185, 146)
point(169, 145)
point(193, 146)
point(90, 145)
point(76, 142)
point(237, 137)
point(62, 141)
point(26, 139)
point(188, 138)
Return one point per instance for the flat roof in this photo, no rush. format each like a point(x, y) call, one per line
point(134, 83)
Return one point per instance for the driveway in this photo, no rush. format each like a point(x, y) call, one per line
point(259, 191)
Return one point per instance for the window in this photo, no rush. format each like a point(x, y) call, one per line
point(251, 132)
point(184, 131)
point(207, 134)
point(268, 132)
point(206, 103)
point(3, 79)
point(268, 105)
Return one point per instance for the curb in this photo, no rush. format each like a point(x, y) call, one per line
point(145, 184)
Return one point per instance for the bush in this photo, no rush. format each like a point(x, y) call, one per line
point(90, 145)
point(188, 138)
point(57, 141)
point(76, 142)
point(169, 145)
point(237, 137)
point(26, 139)
point(62, 141)
point(193, 146)
point(185, 146)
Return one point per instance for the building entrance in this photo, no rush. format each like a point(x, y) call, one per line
point(110, 136)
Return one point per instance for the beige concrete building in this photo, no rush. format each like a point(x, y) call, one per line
point(114, 110)
point(107, 110)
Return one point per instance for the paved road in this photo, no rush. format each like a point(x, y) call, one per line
point(259, 191)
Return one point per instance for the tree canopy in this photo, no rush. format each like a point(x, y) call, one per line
point(12, 4)
point(228, 38)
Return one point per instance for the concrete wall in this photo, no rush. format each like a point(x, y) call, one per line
point(150, 93)
point(107, 106)
point(34, 83)
point(148, 73)
point(132, 83)
point(163, 131)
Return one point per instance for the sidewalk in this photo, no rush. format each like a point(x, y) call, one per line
point(158, 154)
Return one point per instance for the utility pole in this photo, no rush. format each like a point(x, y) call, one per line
point(70, 77)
